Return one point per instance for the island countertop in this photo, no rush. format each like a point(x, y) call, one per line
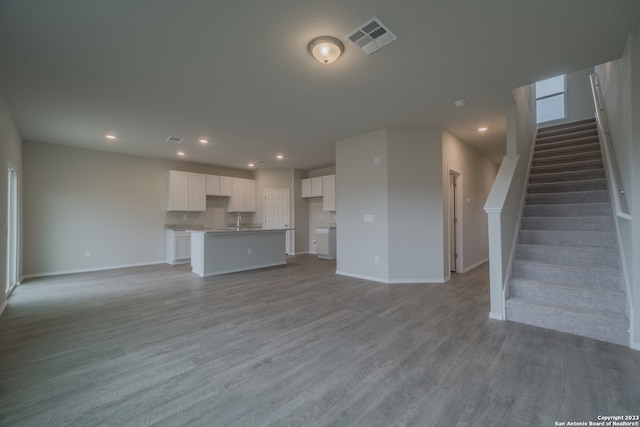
point(221, 251)
point(241, 230)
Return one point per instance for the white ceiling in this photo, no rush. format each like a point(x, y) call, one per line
point(239, 74)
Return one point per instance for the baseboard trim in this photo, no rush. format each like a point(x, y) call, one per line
point(90, 270)
point(496, 316)
point(237, 270)
point(424, 281)
point(3, 306)
point(477, 264)
point(635, 345)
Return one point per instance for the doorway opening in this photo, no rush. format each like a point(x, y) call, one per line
point(455, 221)
point(12, 230)
point(277, 214)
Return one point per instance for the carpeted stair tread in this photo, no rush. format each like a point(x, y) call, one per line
point(571, 166)
point(569, 294)
point(572, 197)
point(562, 149)
point(603, 325)
point(567, 158)
point(602, 277)
point(565, 140)
point(586, 223)
point(585, 257)
point(573, 210)
point(567, 186)
point(593, 239)
point(563, 126)
point(567, 176)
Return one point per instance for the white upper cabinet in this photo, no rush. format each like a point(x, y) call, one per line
point(329, 193)
point(218, 185)
point(243, 195)
point(186, 191)
point(312, 187)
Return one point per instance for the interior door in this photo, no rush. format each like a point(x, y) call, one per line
point(277, 213)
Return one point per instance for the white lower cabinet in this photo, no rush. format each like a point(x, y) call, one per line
point(178, 246)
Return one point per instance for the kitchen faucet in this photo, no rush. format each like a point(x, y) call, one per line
point(238, 219)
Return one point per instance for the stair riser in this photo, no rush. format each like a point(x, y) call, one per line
point(566, 187)
point(566, 136)
point(547, 132)
point(599, 196)
point(576, 257)
point(602, 277)
point(562, 167)
point(565, 150)
point(567, 176)
point(584, 209)
point(572, 297)
point(609, 329)
point(576, 157)
point(569, 224)
point(599, 239)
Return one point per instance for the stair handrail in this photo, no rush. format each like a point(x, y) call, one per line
point(619, 196)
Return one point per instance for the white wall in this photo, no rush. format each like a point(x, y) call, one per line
point(579, 101)
point(415, 205)
point(10, 154)
point(620, 83)
point(361, 189)
point(110, 204)
point(478, 174)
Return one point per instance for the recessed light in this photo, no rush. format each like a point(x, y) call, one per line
point(110, 136)
point(279, 157)
point(251, 165)
point(180, 153)
point(204, 141)
point(483, 129)
point(460, 103)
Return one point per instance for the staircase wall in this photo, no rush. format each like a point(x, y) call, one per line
point(620, 87)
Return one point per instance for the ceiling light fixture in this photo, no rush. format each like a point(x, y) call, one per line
point(483, 129)
point(204, 141)
point(180, 153)
point(326, 49)
point(251, 165)
point(279, 157)
point(461, 103)
point(110, 136)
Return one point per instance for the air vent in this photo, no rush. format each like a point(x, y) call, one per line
point(371, 36)
point(175, 139)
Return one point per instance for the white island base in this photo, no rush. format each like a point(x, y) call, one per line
point(227, 251)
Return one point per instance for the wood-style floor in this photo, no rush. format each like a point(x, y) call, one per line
point(292, 346)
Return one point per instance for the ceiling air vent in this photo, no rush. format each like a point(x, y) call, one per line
point(371, 36)
point(175, 139)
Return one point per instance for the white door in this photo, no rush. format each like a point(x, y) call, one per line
point(12, 231)
point(276, 212)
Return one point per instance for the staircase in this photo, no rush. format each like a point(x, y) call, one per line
point(566, 271)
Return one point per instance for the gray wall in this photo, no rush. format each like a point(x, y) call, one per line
point(110, 204)
point(620, 82)
point(10, 154)
point(361, 189)
point(415, 205)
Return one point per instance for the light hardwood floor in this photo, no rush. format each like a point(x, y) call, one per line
point(292, 346)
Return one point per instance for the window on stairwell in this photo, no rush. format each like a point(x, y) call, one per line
point(550, 99)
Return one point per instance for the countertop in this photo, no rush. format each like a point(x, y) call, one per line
point(242, 230)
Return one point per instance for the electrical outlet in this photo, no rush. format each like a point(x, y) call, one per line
point(249, 251)
point(376, 259)
point(87, 253)
point(314, 243)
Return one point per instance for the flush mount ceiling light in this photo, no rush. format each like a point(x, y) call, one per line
point(483, 129)
point(326, 49)
point(110, 136)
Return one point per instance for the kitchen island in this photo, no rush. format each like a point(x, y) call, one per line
point(230, 250)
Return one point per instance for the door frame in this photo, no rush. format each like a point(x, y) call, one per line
point(458, 214)
point(289, 234)
point(12, 278)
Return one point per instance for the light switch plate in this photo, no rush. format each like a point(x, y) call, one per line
point(368, 218)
